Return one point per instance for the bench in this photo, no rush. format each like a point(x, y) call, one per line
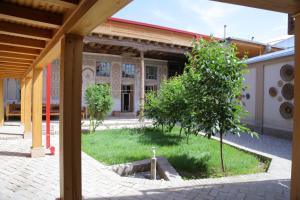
point(14, 110)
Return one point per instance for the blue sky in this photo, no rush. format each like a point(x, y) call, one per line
point(208, 17)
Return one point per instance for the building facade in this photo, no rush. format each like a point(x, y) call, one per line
point(269, 93)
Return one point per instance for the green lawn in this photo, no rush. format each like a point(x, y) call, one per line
point(200, 158)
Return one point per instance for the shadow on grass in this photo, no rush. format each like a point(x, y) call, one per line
point(155, 136)
point(190, 167)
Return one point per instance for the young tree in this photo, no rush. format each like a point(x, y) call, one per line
point(167, 106)
point(99, 103)
point(213, 81)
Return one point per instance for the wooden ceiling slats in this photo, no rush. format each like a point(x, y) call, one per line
point(13, 60)
point(62, 3)
point(20, 50)
point(25, 31)
point(22, 42)
point(16, 56)
point(285, 6)
point(31, 30)
point(13, 64)
point(29, 15)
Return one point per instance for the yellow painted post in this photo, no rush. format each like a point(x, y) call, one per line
point(1, 103)
point(37, 150)
point(70, 117)
point(295, 184)
point(27, 108)
point(22, 101)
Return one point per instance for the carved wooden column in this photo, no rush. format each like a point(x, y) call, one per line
point(70, 117)
point(37, 149)
point(142, 89)
point(1, 102)
point(27, 108)
point(295, 185)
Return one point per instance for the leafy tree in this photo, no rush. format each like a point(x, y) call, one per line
point(99, 103)
point(167, 106)
point(213, 81)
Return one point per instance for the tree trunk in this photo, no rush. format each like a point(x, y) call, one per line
point(221, 151)
point(180, 130)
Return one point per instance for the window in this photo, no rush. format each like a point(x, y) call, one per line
point(149, 88)
point(128, 70)
point(102, 69)
point(151, 72)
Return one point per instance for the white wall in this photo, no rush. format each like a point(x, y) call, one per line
point(249, 104)
point(272, 117)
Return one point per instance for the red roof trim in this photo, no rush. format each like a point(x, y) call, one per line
point(196, 35)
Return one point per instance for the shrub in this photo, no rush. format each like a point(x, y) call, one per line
point(99, 103)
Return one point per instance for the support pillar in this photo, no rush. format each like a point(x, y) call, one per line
point(1, 102)
point(37, 150)
point(22, 102)
point(142, 89)
point(27, 108)
point(295, 184)
point(70, 117)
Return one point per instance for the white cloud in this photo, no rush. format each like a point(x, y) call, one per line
point(162, 15)
point(210, 13)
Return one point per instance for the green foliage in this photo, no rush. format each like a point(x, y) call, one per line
point(213, 80)
point(167, 106)
point(99, 103)
point(206, 97)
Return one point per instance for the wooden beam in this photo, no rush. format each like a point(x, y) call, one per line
point(63, 4)
point(70, 117)
point(29, 15)
point(16, 56)
point(12, 60)
point(22, 42)
point(286, 6)
point(3, 63)
point(133, 44)
point(83, 19)
point(25, 31)
point(12, 71)
point(21, 50)
point(37, 149)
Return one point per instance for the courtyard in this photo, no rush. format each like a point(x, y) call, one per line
point(23, 177)
point(111, 66)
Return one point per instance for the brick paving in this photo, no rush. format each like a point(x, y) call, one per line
point(22, 177)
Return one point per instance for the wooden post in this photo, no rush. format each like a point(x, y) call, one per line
point(22, 101)
point(1, 102)
point(37, 150)
point(142, 89)
point(27, 108)
point(295, 185)
point(70, 117)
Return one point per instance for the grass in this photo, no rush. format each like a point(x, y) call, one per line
point(200, 158)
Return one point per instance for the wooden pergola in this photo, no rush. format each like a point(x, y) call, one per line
point(32, 34)
point(291, 7)
point(35, 32)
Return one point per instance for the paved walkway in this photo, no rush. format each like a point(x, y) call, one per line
point(26, 178)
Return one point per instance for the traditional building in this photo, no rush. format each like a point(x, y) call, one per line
point(114, 53)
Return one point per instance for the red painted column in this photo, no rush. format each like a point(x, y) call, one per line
point(48, 99)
